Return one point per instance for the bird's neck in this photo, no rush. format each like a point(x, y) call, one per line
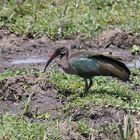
point(64, 59)
point(66, 65)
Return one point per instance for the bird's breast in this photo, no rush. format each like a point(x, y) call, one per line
point(67, 68)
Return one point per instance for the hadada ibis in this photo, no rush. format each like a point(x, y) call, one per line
point(87, 65)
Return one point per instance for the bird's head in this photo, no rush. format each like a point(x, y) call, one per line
point(61, 51)
point(58, 52)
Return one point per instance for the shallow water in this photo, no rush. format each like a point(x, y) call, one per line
point(29, 61)
point(135, 63)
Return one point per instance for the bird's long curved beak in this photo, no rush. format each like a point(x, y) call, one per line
point(49, 61)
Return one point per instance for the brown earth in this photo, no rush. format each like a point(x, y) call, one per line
point(13, 47)
point(23, 52)
point(46, 99)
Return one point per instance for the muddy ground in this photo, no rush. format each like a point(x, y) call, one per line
point(22, 52)
point(26, 52)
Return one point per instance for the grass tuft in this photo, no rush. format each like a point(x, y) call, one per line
point(13, 127)
point(61, 19)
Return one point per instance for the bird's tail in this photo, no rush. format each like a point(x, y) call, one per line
point(113, 67)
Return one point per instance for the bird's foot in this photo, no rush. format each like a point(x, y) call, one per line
point(82, 94)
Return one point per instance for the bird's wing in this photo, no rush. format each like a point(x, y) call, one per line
point(99, 65)
point(89, 54)
point(111, 67)
point(85, 67)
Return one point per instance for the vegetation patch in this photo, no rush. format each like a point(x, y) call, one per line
point(14, 127)
point(62, 19)
point(105, 91)
point(71, 116)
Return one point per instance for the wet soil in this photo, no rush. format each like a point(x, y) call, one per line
point(14, 93)
point(22, 52)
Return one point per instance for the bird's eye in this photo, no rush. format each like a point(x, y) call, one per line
point(63, 51)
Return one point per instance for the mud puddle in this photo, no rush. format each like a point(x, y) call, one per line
point(135, 63)
point(29, 61)
point(20, 52)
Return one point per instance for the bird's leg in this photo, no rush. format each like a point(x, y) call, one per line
point(86, 85)
point(86, 88)
point(90, 83)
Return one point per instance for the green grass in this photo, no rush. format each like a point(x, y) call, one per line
point(36, 18)
point(13, 73)
point(15, 128)
point(83, 128)
point(104, 92)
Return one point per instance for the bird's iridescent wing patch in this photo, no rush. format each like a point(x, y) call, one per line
point(86, 66)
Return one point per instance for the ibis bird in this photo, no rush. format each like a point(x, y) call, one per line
point(87, 65)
